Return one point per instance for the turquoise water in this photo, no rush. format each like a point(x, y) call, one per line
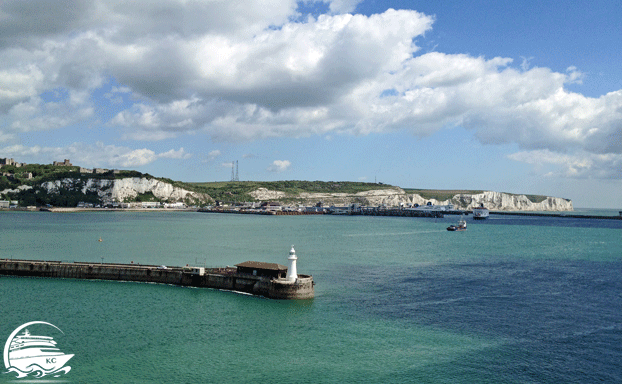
point(597, 212)
point(512, 300)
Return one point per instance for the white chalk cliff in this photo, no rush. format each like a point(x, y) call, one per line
point(129, 188)
point(497, 201)
point(266, 194)
point(395, 196)
point(126, 189)
point(388, 197)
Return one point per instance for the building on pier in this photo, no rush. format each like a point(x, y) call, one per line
point(259, 268)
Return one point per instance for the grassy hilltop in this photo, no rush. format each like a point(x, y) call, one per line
point(239, 190)
point(34, 175)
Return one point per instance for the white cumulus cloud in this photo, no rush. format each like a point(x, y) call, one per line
point(279, 166)
point(580, 165)
point(92, 155)
point(213, 154)
point(249, 70)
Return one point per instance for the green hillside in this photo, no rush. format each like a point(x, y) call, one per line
point(34, 175)
point(13, 176)
point(239, 190)
point(439, 194)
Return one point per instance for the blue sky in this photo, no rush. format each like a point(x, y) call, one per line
point(521, 97)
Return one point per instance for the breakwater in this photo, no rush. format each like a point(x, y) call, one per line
point(404, 212)
point(229, 278)
point(260, 212)
point(366, 211)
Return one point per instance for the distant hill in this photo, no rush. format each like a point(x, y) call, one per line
point(368, 194)
point(440, 194)
point(231, 191)
point(66, 186)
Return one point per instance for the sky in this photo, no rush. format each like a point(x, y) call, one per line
point(519, 97)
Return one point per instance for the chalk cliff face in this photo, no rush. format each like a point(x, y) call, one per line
point(496, 201)
point(266, 194)
point(394, 196)
point(388, 197)
point(505, 202)
point(128, 188)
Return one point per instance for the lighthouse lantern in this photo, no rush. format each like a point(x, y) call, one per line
point(292, 275)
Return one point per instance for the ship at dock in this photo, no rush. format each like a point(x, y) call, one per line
point(271, 280)
point(480, 213)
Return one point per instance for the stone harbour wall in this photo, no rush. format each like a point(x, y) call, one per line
point(217, 278)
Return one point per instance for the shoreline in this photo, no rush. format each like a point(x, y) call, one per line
point(63, 209)
point(559, 214)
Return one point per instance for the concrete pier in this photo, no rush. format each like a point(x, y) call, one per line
point(367, 211)
point(219, 278)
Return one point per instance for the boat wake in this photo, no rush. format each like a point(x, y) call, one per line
point(37, 371)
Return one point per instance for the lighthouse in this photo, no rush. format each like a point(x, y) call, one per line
point(291, 271)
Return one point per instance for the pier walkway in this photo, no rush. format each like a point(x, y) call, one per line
point(403, 212)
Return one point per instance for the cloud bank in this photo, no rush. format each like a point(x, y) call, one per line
point(97, 155)
point(251, 70)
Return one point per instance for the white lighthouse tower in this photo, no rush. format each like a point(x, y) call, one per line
point(291, 271)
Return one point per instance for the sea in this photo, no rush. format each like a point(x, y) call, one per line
point(514, 299)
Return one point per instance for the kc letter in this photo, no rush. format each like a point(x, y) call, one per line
point(50, 360)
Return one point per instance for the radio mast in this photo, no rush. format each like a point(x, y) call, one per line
point(234, 171)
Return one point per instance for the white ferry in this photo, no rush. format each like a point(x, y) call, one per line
point(27, 350)
point(480, 213)
point(429, 206)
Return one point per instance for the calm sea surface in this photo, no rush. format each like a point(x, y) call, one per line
point(398, 300)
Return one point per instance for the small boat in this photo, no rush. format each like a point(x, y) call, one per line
point(462, 226)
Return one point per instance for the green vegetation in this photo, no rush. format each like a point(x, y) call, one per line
point(536, 198)
point(439, 194)
point(239, 190)
point(147, 196)
point(43, 172)
point(33, 175)
point(66, 197)
point(40, 173)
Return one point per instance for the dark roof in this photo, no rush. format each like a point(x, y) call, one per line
point(262, 265)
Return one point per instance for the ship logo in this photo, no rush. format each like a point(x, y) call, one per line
point(29, 355)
